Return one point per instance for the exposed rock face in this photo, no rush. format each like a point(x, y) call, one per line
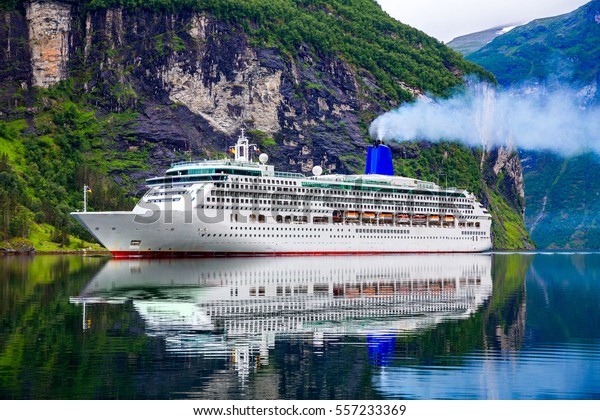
point(49, 26)
point(226, 99)
point(504, 171)
point(508, 161)
point(252, 96)
point(195, 82)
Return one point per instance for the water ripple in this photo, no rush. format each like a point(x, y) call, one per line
point(536, 373)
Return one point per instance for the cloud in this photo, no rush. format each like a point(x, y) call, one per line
point(525, 118)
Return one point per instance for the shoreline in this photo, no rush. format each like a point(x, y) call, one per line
point(57, 252)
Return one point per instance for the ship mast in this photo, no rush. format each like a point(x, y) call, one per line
point(86, 189)
point(242, 148)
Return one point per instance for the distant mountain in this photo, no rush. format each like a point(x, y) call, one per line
point(562, 194)
point(467, 44)
point(558, 50)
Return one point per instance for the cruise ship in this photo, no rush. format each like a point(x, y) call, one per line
point(243, 207)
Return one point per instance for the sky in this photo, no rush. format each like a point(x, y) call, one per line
point(448, 19)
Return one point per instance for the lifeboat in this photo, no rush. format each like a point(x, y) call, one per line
point(403, 218)
point(386, 218)
point(368, 215)
point(351, 215)
point(448, 218)
point(419, 218)
point(434, 218)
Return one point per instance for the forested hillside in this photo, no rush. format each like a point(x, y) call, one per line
point(109, 92)
point(554, 51)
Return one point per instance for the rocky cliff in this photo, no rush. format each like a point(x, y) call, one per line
point(190, 79)
point(49, 26)
point(195, 81)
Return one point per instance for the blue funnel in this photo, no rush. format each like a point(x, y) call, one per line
point(379, 160)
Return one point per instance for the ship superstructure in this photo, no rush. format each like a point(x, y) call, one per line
point(241, 207)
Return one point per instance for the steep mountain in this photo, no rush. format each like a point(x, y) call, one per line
point(558, 50)
point(467, 44)
point(551, 54)
point(107, 92)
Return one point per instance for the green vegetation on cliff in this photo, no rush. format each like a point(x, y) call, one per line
point(87, 128)
point(563, 208)
point(563, 49)
point(357, 30)
point(44, 163)
point(447, 164)
point(452, 165)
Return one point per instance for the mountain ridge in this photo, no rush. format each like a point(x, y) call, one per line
point(119, 92)
point(554, 50)
point(469, 43)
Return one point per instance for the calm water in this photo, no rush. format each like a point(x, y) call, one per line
point(502, 326)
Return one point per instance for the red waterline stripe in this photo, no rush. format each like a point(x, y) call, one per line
point(192, 254)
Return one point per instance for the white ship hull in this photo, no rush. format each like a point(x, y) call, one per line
point(125, 236)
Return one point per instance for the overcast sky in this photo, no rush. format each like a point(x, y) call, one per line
point(447, 19)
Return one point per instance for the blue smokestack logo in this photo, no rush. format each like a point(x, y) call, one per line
point(379, 160)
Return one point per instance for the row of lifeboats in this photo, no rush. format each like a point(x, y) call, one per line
point(401, 218)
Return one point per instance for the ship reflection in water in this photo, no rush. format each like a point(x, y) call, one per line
point(236, 308)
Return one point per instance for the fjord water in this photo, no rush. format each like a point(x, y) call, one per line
point(500, 326)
